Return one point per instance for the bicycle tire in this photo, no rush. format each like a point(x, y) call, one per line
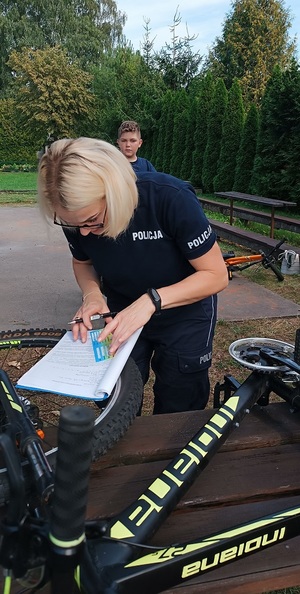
point(276, 271)
point(111, 421)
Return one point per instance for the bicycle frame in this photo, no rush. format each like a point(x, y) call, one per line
point(117, 541)
point(240, 263)
point(247, 260)
point(172, 565)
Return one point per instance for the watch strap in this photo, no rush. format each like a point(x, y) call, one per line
point(156, 300)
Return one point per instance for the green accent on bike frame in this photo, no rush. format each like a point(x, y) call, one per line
point(77, 576)
point(7, 585)
point(119, 530)
point(164, 555)
point(193, 453)
point(65, 544)
point(13, 404)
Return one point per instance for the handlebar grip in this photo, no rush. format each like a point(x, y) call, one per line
point(73, 461)
point(297, 347)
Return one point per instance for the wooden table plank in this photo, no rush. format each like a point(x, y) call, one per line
point(271, 202)
point(231, 477)
point(148, 439)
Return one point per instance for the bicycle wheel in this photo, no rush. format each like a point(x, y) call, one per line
point(21, 349)
point(276, 270)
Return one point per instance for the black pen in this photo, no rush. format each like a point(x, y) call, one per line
point(108, 314)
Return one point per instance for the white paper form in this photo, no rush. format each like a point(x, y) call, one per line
point(70, 369)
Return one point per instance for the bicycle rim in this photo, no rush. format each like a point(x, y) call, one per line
point(21, 349)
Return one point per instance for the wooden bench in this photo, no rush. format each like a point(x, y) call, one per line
point(256, 472)
point(250, 239)
point(257, 216)
point(270, 202)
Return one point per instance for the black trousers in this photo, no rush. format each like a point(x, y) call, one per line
point(179, 353)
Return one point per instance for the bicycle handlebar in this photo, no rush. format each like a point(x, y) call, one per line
point(71, 476)
point(67, 518)
point(276, 247)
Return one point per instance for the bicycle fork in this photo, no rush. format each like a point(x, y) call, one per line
point(21, 429)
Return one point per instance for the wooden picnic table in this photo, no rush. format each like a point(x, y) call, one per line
point(271, 202)
point(255, 473)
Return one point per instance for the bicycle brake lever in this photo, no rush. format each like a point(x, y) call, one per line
point(271, 356)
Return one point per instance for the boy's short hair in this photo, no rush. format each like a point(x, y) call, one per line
point(129, 126)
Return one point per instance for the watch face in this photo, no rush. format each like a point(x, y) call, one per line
point(155, 298)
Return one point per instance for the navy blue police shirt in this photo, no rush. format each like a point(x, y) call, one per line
point(168, 228)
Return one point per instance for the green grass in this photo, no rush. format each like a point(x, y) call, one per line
point(29, 198)
point(18, 188)
point(18, 181)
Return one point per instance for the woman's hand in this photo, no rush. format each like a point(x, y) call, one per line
point(92, 305)
point(127, 322)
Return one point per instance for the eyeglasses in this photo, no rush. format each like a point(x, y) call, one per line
point(85, 226)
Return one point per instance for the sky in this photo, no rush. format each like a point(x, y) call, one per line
point(203, 18)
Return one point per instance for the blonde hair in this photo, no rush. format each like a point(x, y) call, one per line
point(74, 173)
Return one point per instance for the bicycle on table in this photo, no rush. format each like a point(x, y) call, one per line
point(44, 535)
point(239, 263)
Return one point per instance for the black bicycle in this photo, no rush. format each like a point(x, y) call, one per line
point(20, 350)
point(44, 536)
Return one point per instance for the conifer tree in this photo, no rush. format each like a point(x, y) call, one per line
point(214, 135)
point(247, 152)
point(276, 170)
point(188, 142)
point(255, 38)
point(179, 132)
point(200, 135)
point(171, 97)
point(158, 146)
point(233, 122)
point(269, 137)
point(176, 61)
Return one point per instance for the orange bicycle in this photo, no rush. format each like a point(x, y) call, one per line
point(269, 260)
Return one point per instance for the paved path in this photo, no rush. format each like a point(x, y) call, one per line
point(37, 284)
point(38, 288)
point(245, 300)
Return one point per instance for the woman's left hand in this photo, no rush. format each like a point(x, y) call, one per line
point(127, 321)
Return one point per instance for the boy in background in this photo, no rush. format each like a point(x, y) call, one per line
point(129, 142)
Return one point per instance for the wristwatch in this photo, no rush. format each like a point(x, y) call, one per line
point(156, 300)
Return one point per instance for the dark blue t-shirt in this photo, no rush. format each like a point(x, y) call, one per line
point(142, 165)
point(168, 228)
